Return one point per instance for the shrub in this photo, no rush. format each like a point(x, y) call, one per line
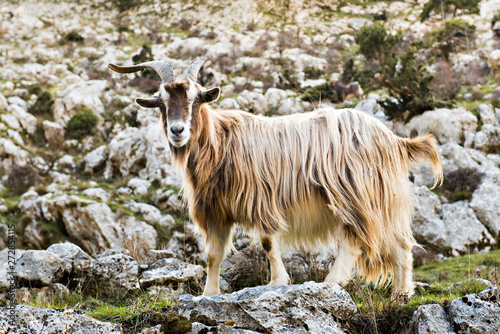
point(42, 104)
point(22, 177)
point(72, 36)
point(460, 184)
point(82, 124)
point(446, 83)
point(455, 35)
point(319, 93)
point(311, 72)
point(449, 8)
point(124, 5)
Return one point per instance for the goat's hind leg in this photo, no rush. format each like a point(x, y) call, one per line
point(218, 240)
point(279, 276)
point(345, 261)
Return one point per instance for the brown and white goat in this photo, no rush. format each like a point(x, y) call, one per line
point(337, 178)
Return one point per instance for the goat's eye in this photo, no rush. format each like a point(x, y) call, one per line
point(197, 101)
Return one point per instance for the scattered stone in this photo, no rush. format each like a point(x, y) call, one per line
point(430, 319)
point(253, 102)
point(169, 272)
point(97, 193)
point(78, 262)
point(48, 321)
point(95, 159)
point(158, 254)
point(139, 186)
point(39, 268)
point(114, 276)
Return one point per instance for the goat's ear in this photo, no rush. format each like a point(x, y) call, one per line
point(152, 102)
point(210, 95)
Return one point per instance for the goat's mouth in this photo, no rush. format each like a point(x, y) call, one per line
point(178, 142)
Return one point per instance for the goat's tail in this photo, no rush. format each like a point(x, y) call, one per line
point(423, 150)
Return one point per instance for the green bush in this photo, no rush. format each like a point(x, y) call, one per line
point(72, 36)
point(124, 5)
point(406, 79)
point(318, 93)
point(42, 104)
point(449, 8)
point(82, 124)
point(456, 34)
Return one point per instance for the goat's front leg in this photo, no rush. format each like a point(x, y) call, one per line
point(217, 242)
point(279, 276)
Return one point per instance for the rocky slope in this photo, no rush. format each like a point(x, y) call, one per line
point(105, 183)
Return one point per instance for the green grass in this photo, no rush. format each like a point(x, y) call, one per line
point(136, 312)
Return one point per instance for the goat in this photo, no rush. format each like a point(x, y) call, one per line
point(332, 177)
point(344, 92)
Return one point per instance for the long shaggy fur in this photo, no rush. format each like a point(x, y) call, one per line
point(309, 178)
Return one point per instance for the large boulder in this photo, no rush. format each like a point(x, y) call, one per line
point(29, 319)
point(77, 261)
point(430, 319)
point(488, 139)
point(114, 276)
point(95, 159)
point(126, 153)
point(54, 133)
point(172, 273)
point(485, 202)
point(253, 102)
point(459, 217)
point(39, 268)
point(310, 307)
point(85, 94)
point(459, 124)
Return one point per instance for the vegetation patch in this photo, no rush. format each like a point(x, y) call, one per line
point(72, 36)
point(319, 93)
point(42, 104)
point(459, 185)
point(82, 124)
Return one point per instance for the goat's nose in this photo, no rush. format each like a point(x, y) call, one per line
point(177, 129)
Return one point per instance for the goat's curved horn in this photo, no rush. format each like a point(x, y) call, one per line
point(192, 71)
point(164, 70)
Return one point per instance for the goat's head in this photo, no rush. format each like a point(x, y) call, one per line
point(179, 99)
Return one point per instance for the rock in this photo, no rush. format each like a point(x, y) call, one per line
point(139, 234)
point(27, 120)
point(113, 251)
point(494, 61)
point(97, 193)
point(95, 159)
point(188, 245)
point(149, 212)
point(175, 203)
point(485, 204)
point(487, 114)
point(4, 105)
point(427, 225)
point(229, 103)
point(275, 97)
point(78, 262)
point(459, 123)
point(220, 329)
point(173, 273)
point(5, 277)
point(454, 156)
point(309, 307)
point(289, 106)
point(459, 217)
point(157, 254)
point(252, 102)
point(470, 314)
point(126, 153)
point(54, 133)
point(152, 330)
point(85, 94)
point(370, 107)
point(139, 186)
point(488, 139)
point(11, 154)
point(39, 267)
point(45, 294)
point(11, 121)
point(48, 321)
point(114, 276)
point(430, 319)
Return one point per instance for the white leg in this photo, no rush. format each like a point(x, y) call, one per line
point(217, 244)
point(344, 263)
point(279, 276)
point(403, 272)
